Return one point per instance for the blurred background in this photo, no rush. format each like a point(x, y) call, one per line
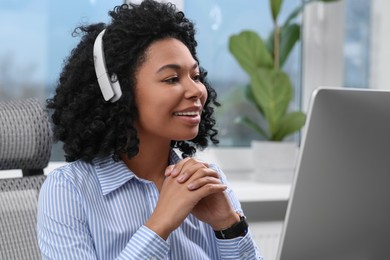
point(342, 44)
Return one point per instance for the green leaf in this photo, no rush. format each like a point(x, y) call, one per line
point(275, 8)
point(289, 124)
point(272, 90)
point(250, 51)
point(295, 13)
point(289, 36)
point(251, 98)
point(251, 124)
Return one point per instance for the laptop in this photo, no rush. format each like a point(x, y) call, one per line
point(339, 206)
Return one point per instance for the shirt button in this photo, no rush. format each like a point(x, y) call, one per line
point(245, 255)
point(153, 258)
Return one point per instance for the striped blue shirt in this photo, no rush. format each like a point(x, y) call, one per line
point(97, 211)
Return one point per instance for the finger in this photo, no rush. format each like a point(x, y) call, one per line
point(201, 175)
point(183, 166)
point(191, 168)
point(175, 171)
point(210, 188)
point(198, 183)
point(203, 172)
point(168, 170)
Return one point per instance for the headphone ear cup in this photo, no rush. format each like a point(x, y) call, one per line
point(116, 88)
point(110, 88)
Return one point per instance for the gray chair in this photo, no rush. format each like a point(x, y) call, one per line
point(25, 143)
point(25, 139)
point(18, 217)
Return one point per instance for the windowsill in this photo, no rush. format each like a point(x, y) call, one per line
point(252, 191)
point(237, 164)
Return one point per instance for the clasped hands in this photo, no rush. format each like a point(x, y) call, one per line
point(190, 186)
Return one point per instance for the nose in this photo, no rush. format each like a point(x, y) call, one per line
point(195, 89)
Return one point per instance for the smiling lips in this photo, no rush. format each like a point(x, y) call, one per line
point(191, 113)
point(189, 117)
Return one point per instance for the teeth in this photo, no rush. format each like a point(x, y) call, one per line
point(186, 113)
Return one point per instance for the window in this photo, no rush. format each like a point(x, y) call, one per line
point(216, 21)
point(357, 43)
point(338, 47)
point(345, 44)
point(35, 38)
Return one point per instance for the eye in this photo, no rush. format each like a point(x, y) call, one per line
point(171, 80)
point(196, 77)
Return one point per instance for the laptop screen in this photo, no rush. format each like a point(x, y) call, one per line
point(339, 206)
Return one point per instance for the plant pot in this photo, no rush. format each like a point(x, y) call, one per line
point(274, 161)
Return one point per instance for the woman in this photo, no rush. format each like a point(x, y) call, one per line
point(129, 93)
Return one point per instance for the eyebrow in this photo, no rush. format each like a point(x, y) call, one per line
point(175, 67)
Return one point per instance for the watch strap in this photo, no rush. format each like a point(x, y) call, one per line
point(238, 229)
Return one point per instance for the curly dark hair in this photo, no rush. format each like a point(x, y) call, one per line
point(89, 126)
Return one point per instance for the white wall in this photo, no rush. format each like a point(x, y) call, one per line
point(323, 46)
point(380, 45)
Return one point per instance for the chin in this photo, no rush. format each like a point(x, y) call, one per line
point(187, 137)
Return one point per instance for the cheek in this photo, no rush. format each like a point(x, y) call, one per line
point(156, 106)
point(204, 96)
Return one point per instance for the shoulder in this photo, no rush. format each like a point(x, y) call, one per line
point(69, 178)
point(73, 172)
point(61, 198)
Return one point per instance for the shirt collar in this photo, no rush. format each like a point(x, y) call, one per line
point(112, 174)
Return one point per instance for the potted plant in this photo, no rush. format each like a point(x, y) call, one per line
point(270, 88)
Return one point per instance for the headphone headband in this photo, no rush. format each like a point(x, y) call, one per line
point(109, 86)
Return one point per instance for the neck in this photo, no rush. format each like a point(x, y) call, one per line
point(150, 162)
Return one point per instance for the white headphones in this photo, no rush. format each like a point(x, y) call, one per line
point(109, 86)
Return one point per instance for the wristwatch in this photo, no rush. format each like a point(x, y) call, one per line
point(238, 229)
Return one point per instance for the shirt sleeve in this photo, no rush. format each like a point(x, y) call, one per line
point(62, 227)
point(241, 247)
point(63, 231)
point(145, 244)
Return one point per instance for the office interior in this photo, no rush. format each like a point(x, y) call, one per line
point(343, 44)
